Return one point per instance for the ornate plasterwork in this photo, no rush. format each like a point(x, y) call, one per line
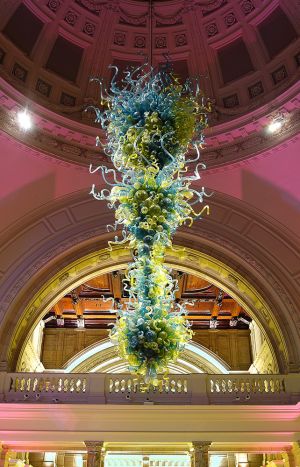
point(267, 270)
point(225, 144)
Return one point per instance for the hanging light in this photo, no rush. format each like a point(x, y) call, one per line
point(154, 130)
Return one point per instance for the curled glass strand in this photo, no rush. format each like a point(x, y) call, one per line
point(152, 121)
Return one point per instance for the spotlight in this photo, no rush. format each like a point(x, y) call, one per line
point(24, 120)
point(276, 123)
point(275, 126)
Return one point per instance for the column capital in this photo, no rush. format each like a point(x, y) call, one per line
point(94, 453)
point(202, 446)
point(94, 446)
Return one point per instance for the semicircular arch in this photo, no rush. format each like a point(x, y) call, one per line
point(103, 356)
point(261, 279)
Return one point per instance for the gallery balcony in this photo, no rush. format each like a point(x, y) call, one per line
point(104, 388)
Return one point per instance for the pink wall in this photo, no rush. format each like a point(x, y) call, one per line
point(270, 182)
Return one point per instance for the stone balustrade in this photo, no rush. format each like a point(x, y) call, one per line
point(198, 389)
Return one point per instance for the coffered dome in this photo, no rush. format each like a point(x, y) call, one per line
point(246, 53)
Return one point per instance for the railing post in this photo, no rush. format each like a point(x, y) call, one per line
point(96, 390)
point(201, 453)
point(198, 387)
point(95, 455)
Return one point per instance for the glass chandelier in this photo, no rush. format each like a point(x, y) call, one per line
point(154, 127)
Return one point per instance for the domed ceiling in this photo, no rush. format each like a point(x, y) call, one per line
point(246, 53)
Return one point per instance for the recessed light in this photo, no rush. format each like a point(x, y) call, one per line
point(24, 120)
point(275, 125)
point(277, 121)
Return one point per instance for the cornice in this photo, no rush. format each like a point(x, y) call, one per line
point(72, 142)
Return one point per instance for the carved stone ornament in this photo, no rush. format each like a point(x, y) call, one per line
point(53, 5)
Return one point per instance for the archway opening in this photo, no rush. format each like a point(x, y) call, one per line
point(77, 316)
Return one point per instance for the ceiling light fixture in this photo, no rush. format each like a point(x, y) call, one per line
point(276, 123)
point(24, 120)
point(153, 122)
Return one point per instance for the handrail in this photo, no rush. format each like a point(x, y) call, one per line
point(104, 388)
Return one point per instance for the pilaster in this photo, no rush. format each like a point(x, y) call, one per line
point(95, 453)
point(201, 453)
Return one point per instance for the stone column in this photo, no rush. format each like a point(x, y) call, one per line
point(95, 455)
point(296, 453)
point(231, 462)
point(3, 456)
point(201, 453)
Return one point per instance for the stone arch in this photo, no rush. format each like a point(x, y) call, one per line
point(59, 245)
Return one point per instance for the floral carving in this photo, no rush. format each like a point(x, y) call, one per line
point(247, 6)
point(140, 42)
point(119, 38)
point(160, 42)
point(53, 5)
point(180, 40)
point(230, 19)
point(211, 29)
point(89, 28)
point(71, 18)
